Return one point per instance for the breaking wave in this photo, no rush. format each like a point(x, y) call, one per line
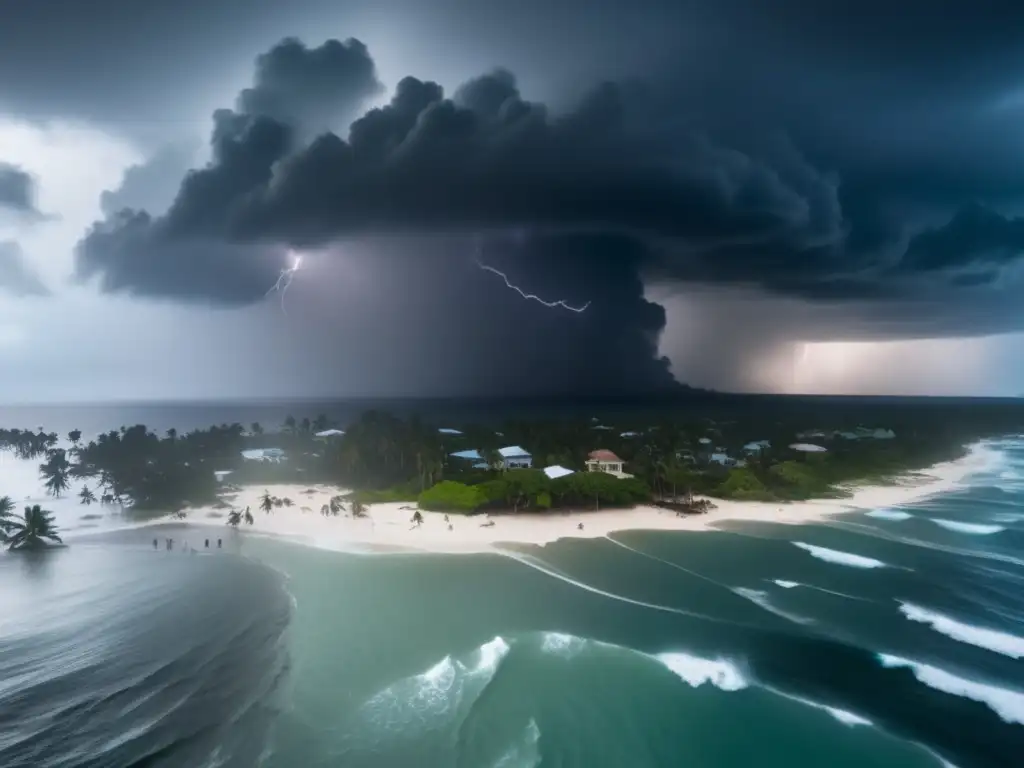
point(889, 514)
point(989, 639)
point(975, 529)
point(839, 558)
point(1009, 705)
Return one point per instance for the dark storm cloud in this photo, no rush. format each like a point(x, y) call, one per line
point(183, 254)
point(17, 190)
point(149, 186)
point(16, 277)
point(825, 151)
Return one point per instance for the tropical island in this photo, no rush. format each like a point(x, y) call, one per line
point(683, 463)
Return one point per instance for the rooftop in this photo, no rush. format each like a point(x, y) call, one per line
point(513, 450)
point(557, 470)
point(472, 454)
point(603, 454)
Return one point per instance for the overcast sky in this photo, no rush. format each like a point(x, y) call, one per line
point(787, 197)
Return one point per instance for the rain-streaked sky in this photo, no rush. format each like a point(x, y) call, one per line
point(777, 197)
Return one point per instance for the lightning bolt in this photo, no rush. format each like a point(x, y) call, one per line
point(530, 296)
point(284, 280)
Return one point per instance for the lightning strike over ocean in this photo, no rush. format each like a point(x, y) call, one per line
point(284, 280)
point(531, 296)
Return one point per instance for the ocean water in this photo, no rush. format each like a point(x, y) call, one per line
point(891, 637)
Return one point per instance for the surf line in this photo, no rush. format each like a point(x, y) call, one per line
point(669, 563)
point(555, 574)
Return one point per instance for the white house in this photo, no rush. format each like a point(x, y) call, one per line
point(263, 454)
point(515, 457)
point(556, 471)
point(603, 460)
point(327, 434)
point(808, 448)
point(722, 458)
point(449, 431)
point(757, 446)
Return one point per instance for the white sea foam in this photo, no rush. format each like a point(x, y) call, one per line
point(1007, 517)
point(840, 558)
point(889, 514)
point(696, 671)
point(975, 529)
point(562, 644)
point(435, 695)
point(762, 600)
point(524, 753)
point(786, 584)
point(1009, 705)
point(990, 639)
point(843, 716)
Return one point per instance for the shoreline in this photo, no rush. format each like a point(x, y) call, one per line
point(388, 527)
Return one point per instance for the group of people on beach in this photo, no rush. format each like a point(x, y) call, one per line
point(169, 543)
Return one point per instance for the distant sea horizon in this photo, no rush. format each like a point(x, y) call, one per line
point(93, 417)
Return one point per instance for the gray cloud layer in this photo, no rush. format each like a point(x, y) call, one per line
point(835, 153)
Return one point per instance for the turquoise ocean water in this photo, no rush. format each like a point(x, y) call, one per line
point(893, 637)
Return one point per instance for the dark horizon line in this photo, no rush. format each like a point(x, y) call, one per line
point(659, 397)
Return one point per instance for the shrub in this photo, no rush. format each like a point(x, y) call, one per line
point(449, 496)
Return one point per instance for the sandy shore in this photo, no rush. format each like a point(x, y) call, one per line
point(389, 526)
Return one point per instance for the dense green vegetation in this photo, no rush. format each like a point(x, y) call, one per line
point(671, 455)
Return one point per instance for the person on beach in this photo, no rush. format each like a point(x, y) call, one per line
point(580, 526)
point(170, 544)
point(218, 543)
point(207, 544)
point(154, 543)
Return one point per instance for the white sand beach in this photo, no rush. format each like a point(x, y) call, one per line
point(388, 527)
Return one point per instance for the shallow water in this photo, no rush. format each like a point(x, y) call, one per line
point(887, 638)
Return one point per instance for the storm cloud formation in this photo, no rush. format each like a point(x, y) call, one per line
point(790, 168)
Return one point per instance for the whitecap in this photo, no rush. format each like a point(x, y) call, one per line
point(1009, 705)
point(989, 639)
point(889, 514)
point(1007, 517)
point(843, 716)
point(786, 584)
point(433, 697)
point(971, 528)
point(524, 753)
point(762, 600)
point(840, 558)
point(561, 644)
point(696, 671)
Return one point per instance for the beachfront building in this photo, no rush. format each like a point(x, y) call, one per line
point(449, 431)
point(808, 448)
point(329, 434)
point(556, 471)
point(264, 454)
point(515, 457)
point(221, 475)
point(472, 455)
point(757, 446)
point(722, 458)
point(603, 460)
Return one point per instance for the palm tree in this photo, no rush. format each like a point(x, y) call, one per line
point(256, 428)
point(234, 517)
point(34, 531)
point(267, 502)
point(6, 507)
point(336, 505)
point(55, 471)
point(74, 436)
point(86, 495)
point(289, 424)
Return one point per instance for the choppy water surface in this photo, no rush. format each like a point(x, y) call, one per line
point(893, 637)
